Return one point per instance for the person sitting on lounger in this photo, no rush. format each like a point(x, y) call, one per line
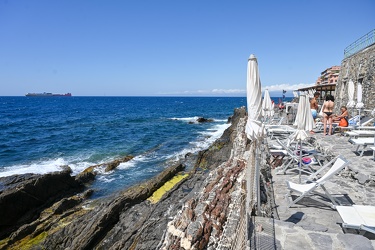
point(328, 106)
point(343, 118)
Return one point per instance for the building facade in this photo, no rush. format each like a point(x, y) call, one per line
point(329, 76)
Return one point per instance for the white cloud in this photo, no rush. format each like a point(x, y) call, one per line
point(239, 92)
point(287, 87)
point(229, 91)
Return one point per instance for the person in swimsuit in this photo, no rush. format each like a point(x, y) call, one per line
point(344, 114)
point(343, 118)
point(328, 114)
point(314, 107)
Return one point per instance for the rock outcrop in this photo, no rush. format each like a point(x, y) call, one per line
point(193, 214)
point(23, 197)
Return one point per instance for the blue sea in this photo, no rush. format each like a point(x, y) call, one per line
point(40, 134)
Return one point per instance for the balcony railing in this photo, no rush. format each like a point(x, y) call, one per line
point(360, 44)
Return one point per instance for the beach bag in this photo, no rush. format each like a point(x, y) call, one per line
point(306, 160)
point(343, 122)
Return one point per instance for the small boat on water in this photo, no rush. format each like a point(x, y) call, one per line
point(45, 94)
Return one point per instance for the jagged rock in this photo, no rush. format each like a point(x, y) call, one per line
point(202, 119)
point(89, 173)
point(221, 148)
point(24, 196)
point(86, 176)
point(88, 230)
point(114, 164)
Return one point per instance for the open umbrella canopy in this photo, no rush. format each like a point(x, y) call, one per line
point(351, 102)
point(254, 129)
point(267, 106)
point(359, 97)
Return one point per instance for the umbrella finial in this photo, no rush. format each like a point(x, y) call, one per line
point(252, 56)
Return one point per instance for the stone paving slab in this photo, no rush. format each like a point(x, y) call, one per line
point(315, 225)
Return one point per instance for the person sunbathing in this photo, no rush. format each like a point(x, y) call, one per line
point(343, 118)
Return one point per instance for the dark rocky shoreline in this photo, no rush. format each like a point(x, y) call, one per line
point(54, 211)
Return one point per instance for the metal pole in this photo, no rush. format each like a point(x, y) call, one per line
point(257, 175)
point(300, 161)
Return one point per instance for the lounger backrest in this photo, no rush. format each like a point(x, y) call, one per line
point(339, 165)
point(286, 147)
point(366, 120)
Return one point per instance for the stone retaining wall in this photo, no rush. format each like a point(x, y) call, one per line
point(359, 67)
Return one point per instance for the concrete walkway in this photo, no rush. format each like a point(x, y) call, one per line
point(315, 225)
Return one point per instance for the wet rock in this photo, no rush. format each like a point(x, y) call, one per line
point(24, 197)
point(91, 228)
point(86, 176)
point(202, 119)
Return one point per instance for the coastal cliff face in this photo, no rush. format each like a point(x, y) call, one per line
point(200, 211)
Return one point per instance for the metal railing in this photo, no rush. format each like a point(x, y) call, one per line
point(360, 44)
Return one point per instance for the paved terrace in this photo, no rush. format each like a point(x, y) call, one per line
point(314, 225)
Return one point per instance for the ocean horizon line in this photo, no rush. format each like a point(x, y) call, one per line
point(167, 96)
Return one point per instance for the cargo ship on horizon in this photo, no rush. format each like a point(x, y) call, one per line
point(45, 94)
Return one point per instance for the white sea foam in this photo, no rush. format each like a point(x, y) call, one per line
point(208, 137)
point(35, 168)
point(185, 119)
point(76, 164)
point(105, 178)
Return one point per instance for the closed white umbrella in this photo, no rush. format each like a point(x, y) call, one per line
point(351, 102)
point(297, 120)
point(359, 97)
point(359, 101)
point(254, 127)
point(267, 105)
point(304, 122)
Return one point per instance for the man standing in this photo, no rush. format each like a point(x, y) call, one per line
point(314, 105)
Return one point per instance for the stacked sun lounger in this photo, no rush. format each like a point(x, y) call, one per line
point(362, 142)
point(360, 133)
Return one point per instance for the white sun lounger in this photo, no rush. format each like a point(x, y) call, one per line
point(360, 133)
point(280, 129)
point(308, 189)
point(364, 142)
point(358, 217)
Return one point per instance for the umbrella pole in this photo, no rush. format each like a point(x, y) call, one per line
point(359, 112)
point(257, 175)
point(300, 161)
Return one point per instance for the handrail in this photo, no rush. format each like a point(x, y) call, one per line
point(360, 44)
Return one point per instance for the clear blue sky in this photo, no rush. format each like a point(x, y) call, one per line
point(172, 47)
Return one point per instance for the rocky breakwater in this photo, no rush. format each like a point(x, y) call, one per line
point(194, 210)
